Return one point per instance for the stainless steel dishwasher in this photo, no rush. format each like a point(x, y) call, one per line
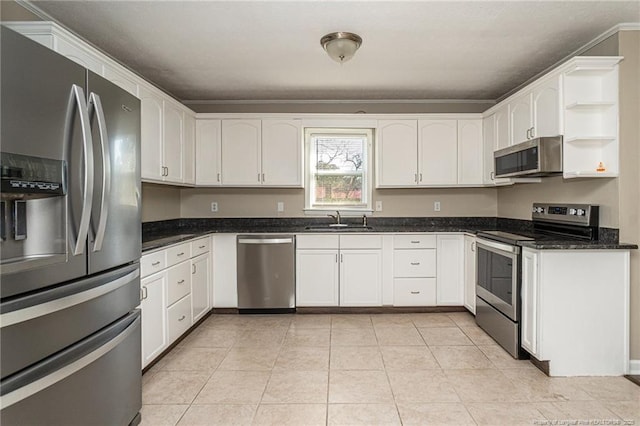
point(266, 273)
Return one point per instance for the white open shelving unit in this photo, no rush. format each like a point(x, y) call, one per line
point(591, 146)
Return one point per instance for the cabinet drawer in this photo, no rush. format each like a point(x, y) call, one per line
point(414, 292)
point(414, 263)
point(414, 241)
point(179, 282)
point(179, 318)
point(200, 246)
point(152, 263)
point(317, 242)
point(360, 241)
point(179, 253)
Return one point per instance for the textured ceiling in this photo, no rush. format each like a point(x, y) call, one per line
point(270, 50)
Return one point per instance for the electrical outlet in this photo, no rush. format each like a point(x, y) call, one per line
point(280, 206)
point(214, 206)
point(378, 206)
point(436, 206)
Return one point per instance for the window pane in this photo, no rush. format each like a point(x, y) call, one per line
point(338, 190)
point(339, 153)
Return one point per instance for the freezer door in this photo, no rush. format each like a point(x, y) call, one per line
point(95, 382)
point(35, 326)
point(115, 231)
point(42, 115)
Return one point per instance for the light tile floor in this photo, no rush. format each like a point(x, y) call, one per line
point(387, 369)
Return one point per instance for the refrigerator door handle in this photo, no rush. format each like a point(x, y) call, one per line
point(83, 112)
point(106, 171)
point(19, 393)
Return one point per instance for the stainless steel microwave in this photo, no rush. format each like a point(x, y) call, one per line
point(535, 158)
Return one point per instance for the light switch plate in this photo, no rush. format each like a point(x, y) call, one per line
point(280, 206)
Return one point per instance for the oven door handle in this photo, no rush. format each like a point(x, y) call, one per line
point(505, 248)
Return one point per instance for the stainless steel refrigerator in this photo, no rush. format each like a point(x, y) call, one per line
point(70, 242)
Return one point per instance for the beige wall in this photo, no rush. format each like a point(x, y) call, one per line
point(515, 201)
point(12, 11)
point(160, 202)
point(629, 181)
point(395, 202)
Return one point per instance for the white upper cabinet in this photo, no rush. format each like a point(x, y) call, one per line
point(208, 135)
point(189, 151)
point(437, 152)
point(151, 134)
point(121, 78)
point(281, 153)
point(173, 124)
point(536, 112)
point(502, 134)
point(261, 153)
point(396, 153)
point(470, 152)
point(241, 140)
point(488, 141)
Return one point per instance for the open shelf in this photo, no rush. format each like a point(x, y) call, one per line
point(590, 139)
point(588, 174)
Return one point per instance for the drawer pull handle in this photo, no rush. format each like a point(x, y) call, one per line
point(201, 247)
point(415, 242)
point(180, 254)
point(181, 282)
point(155, 263)
point(415, 263)
point(182, 318)
point(415, 292)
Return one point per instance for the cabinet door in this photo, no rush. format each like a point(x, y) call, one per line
point(241, 152)
point(189, 149)
point(225, 274)
point(529, 331)
point(450, 273)
point(317, 278)
point(78, 54)
point(208, 134)
point(470, 152)
point(396, 153)
point(470, 273)
point(200, 278)
point(488, 141)
point(281, 153)
point(521, 118)
point(173, 147)
point(360, 278)
point(151, 134)
point(546, 108)
point(437, 152)
point(502, 136)
point(154, 316)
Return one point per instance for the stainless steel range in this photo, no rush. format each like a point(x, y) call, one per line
point(498, 279)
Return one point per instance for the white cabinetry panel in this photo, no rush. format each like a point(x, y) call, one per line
point(241, 141)
point(317, 278)
point(396, 153)
point(281, 153)
point(208, 134)
point(450, 272)
point(360, 273)
point(437, 152)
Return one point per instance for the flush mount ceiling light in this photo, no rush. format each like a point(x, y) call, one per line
point(341, 46)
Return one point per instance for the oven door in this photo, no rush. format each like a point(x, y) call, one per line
point(497, 276)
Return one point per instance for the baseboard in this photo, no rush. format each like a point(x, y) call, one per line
point(634, 367)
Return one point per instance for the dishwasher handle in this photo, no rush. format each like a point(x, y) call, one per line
point(265, 241)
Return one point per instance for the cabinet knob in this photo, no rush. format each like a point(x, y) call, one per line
point(415, 241)
point(415, 263)
point(201, 247)
point(415, 292)
point(180, 254)
point(181, 282)
point(182, 318)
point(155, 263)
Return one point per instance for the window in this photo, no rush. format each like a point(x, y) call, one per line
point(338, 167)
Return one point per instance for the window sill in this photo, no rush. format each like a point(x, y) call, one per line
point(347, 212)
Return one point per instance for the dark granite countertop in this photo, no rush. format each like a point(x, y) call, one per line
point(163, 233)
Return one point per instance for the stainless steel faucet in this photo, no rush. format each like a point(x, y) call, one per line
point(336, 217)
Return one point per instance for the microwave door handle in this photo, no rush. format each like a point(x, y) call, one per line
point(106, 171)
point(87, 194)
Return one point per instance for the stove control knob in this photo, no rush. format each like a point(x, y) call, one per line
point(572, 212)
point(581, 212)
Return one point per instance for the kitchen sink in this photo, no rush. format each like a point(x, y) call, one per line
point(341, 227)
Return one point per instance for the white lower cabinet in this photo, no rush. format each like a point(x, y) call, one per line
point(154, 316)
point(575, 310)
point(338, 270)
point(200, 288)
point(470, 273)
point(174, 297)
point(317, 278)
point(450, 273)
point(414, 270)
point(360, 278)
point(414, 292)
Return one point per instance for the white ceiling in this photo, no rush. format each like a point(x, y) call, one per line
point(270, 50)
